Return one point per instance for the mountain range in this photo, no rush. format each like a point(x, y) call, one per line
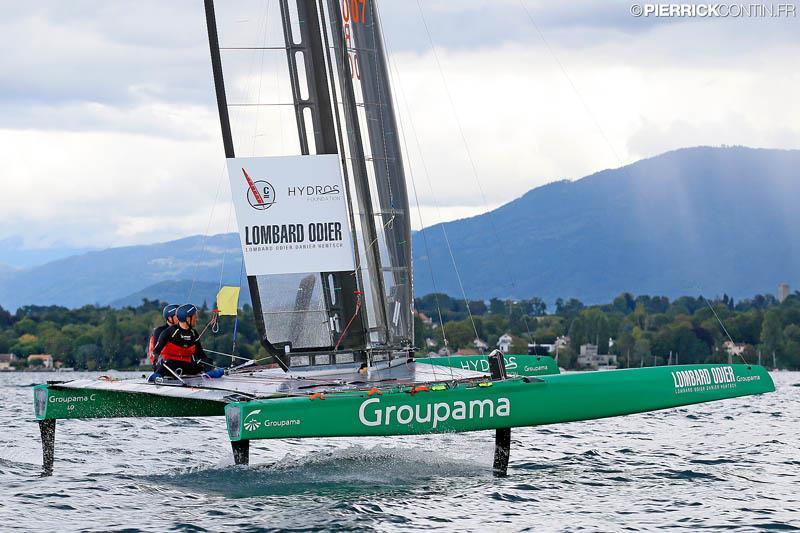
point(696, 220)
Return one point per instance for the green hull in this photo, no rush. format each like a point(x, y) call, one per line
point(516, 365)
point(52, 402)
point(512, 403)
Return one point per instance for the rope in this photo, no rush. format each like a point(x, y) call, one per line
point(212, 322)
point(177, 376)
point(228, 355)
point(352, 318)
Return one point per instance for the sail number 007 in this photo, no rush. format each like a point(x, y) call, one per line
point(355, 9)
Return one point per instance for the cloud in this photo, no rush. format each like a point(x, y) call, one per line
point(109, 131)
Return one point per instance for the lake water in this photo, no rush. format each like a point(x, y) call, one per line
point(731, 465)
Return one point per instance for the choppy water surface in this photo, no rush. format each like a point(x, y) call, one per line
point(724, 465)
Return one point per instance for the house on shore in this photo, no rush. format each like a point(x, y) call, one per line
point(589, 358)
point(6, 361)
point(504, 342)
point(41, 359)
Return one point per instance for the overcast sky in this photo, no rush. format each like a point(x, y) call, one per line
point(109, 133)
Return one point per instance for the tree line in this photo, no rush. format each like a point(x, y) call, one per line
point(100, 338)
point(640, 330)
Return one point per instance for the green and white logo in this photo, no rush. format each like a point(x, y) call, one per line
point(251, 424)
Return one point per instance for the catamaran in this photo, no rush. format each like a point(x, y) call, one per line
point(325, 236)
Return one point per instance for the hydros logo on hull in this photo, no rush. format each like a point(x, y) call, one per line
point(700, 379)
point(482, 365)
point(372, 414)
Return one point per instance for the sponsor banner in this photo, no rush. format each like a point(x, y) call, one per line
point(708, 379)
point(292, 214)
point(511, 403)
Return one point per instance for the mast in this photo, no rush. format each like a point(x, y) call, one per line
point(315, 112)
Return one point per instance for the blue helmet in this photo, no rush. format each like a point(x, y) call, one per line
point(185, 311)
point(169, 311)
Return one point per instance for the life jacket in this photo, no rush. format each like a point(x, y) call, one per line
point(153, 340)
point(150, 346)
point(173, 352)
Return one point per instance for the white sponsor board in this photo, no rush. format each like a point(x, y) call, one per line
point(292, 214)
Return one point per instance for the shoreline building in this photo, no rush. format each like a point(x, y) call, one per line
point(589, 358)
point(504, 342)
point(6, 360)
point(42, 359)
point(783, 292)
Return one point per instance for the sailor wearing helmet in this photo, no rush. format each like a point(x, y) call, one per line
point(178, 348)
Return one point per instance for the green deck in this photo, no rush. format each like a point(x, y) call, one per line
point(512, 403)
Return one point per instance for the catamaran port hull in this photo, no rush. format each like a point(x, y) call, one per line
point(478, 406)
point(54, 402)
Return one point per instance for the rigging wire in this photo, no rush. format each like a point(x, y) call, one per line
point(383, 108)
point(351, 202)
point(205, 234)
point(471, 160)
point(250, 83)
point(261, 76)
point(416, 198)
point(721, 324)
point(604, 136)
point(368, 247)
point(569, 80)
point(438, 211)
point(381, 111)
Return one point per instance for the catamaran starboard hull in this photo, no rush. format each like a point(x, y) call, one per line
point(493, 405)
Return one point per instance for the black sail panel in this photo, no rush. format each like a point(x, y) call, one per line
point(360, 50)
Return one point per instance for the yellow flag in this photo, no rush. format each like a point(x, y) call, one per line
point(228, 301)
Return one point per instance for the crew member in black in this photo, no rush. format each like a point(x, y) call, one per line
point(169, 317)
point(178, 348)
